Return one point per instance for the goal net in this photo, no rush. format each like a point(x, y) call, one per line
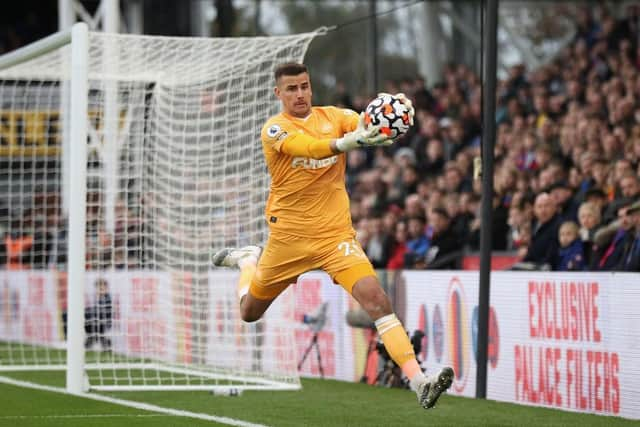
point(174, 169)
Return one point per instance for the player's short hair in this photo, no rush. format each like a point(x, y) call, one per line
point(289, 69)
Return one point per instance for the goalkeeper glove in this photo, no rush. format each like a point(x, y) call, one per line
point(362, 137)
point(406, 102)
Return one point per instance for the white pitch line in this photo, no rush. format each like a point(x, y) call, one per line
point(133, 404)
point(23, 417)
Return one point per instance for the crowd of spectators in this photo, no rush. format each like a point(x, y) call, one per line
point(567, 168)
point(37, 237)
point(567, 162)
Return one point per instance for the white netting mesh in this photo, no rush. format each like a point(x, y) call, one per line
point(175, 169)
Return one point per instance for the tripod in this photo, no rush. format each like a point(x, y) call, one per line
point(370, 348)
point(313, 343)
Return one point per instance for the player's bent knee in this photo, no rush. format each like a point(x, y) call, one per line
point(378, 305)
point(250, 314)
point(249, 317)
point(252, 309)
point(372, 298)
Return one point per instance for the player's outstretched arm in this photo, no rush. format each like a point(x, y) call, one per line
point(362, 136)
point(308, 146)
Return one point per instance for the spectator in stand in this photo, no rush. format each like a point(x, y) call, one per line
point(631, 259)
point(26, 243)
point(585, 161)
point(356, 164)
point(410, 180)
point(417, 243)
point(562, 194)
point(422, 98)
point(629, 186)
point(405, 157)
point(455, 140)
point(16, 247)
point(445, 249)
point(436, 197)
point(431, 159)
point(390, 218)
point(57, 236)
point(464, 161)
point(612, 242)
point(454, 180)
point(428, 128)
point(399, 249)
point(600, 174)
point(413, 206)
point(500, 227)
point(543, 155)
point(459, 219)
point(621, 168)
point(597, 197)
point(519, 218)
point(98, 317)
point(341, 97)
point(570, 254)
point(610, 147)
point(633, 147)
point(589, 219)
point(379, 243)
point(543, 249)
point(524, 240)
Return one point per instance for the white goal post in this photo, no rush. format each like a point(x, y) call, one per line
point(164, 164)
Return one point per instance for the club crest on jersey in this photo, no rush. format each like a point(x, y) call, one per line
point(273, 131)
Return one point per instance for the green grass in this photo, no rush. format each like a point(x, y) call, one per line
point(320, 403)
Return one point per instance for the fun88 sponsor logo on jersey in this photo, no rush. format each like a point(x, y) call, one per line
point(307, 163)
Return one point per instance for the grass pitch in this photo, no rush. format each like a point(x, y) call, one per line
point(320, 403)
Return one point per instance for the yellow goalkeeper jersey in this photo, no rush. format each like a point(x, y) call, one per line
point(307, 196)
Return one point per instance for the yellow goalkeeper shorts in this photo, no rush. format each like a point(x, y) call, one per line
point(286, 257)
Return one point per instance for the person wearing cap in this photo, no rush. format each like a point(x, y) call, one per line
point(629, 186)
point(563, 196)
point(612, 242)
point(631, 260)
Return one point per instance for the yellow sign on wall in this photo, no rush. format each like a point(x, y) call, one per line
point(26, 133)
point(30, 133)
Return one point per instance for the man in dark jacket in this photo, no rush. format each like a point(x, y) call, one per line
point(631, 259)
point(543, 248)
point(444, 250)
point(567, 207)
point(612, 242)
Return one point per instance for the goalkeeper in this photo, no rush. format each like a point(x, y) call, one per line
point(310, 222)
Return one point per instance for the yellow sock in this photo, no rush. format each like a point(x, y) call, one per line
point(398, 346)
